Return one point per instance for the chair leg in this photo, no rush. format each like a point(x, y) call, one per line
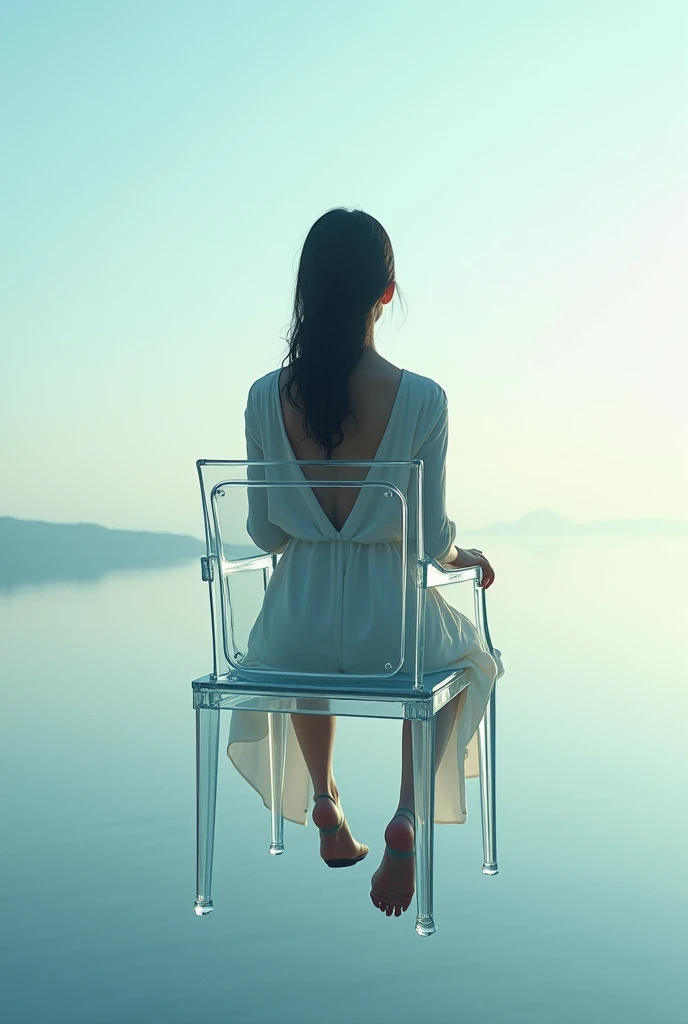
point(207, 743)
point(277, 733)
point(488, 802)
point(423, 740)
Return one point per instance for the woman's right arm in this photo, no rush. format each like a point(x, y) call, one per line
point(467, 557)
point(439, 530)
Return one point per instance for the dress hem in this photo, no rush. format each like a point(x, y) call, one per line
point(266, 805)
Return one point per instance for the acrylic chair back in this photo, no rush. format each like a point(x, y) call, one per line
point(390, 495)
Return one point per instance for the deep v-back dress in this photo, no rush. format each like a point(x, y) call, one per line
point(320, 611)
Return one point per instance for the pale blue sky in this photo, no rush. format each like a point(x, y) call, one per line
point(164, 161)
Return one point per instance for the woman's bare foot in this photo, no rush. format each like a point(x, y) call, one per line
point(393, 884)
point(339, 845)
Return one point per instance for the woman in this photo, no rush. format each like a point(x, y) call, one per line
point(338, 398)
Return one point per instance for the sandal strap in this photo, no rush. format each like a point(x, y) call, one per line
point(404, 811)
point(333, 828)
point(401, 853)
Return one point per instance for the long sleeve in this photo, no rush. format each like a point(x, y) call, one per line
point(438, 529)
point(262, 532)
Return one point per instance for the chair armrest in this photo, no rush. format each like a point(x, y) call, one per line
point(261, 561)
point(232, 565)
point(434, 574)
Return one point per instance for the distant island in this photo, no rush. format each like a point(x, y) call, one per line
point(35, 552)
point(38, 552)
point(545, 523)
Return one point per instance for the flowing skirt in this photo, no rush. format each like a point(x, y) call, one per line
point(287, 625)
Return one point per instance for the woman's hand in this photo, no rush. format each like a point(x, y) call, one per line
point(472, 556)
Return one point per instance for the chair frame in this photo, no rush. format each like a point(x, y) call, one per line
point(416, 697)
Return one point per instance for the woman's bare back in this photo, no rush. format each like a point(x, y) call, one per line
point(373, 387)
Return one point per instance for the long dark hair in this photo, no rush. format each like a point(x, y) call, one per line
point(346, 264)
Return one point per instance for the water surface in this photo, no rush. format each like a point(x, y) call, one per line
point(585, 922)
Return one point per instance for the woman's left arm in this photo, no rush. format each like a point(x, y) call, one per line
point(262, 532)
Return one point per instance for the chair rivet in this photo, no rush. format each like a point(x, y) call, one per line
point(388, 494)
point(220, 494)
point(388, 664)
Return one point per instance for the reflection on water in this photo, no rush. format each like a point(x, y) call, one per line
point(584, 922)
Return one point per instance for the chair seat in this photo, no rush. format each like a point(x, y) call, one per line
point(391, 696)
point(400, 682)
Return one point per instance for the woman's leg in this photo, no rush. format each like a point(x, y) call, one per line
point(444, 723)
point(315, 734)
point(396, 875)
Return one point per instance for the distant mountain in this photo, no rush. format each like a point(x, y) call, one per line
point(38, 552)
point(544, 523)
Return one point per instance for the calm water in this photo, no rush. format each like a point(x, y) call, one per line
point(585, 922)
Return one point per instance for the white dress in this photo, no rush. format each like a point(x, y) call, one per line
point(320, 611)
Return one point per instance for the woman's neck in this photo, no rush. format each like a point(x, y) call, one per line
point(371, 362)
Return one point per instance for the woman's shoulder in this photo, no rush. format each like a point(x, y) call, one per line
point(262, 387)
point(426, 408)
point(431, 396)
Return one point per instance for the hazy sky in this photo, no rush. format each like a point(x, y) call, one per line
point(163, 162)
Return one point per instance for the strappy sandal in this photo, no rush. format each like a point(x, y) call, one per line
point(340, 862)
point(399, 901)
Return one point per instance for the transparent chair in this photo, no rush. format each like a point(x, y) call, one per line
point(412, 694)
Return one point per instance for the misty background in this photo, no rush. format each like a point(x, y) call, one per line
point(164, 163)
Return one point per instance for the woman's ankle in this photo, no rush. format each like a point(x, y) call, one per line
point(329, 789)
